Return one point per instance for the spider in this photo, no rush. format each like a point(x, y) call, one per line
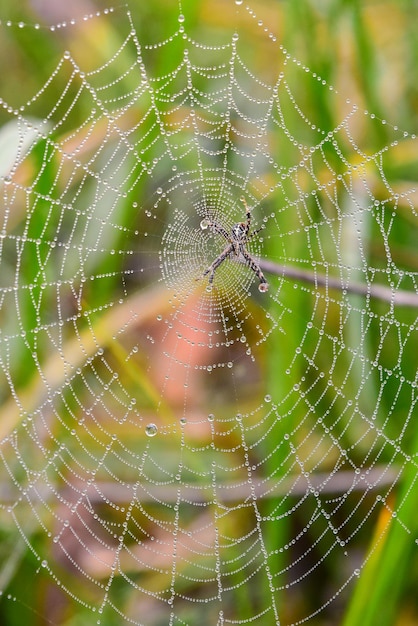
point(236, 247)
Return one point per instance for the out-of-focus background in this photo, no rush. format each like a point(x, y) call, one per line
point(367, 50)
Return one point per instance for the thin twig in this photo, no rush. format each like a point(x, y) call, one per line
point(380, 477)
point(380, 292)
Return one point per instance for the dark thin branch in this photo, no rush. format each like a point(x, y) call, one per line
point(380, 292)
point(380, 477)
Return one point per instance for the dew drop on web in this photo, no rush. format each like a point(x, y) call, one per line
point(151, 430)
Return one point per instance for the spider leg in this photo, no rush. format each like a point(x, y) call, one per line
point(217, 262)
point(255, 232)
point(216, 228)
point(248, 215)
point(255, 268)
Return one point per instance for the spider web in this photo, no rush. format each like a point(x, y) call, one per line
point(176, 453)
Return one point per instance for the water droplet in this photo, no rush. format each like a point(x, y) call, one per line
point(204, 224)
point(239, 2)
point(151, 430)
point(263, 287)
point(267, 398)
point(211, 417)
